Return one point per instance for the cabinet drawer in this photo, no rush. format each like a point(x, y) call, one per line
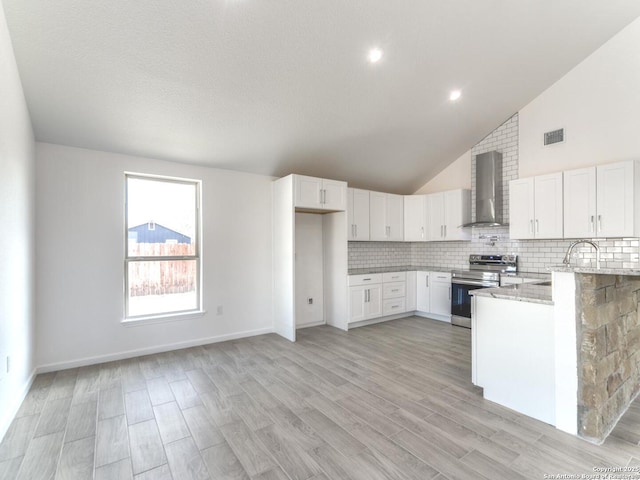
point(441, 276)
point(355, 280)
point(391, 307)
point(394, 290)
point(394, 277)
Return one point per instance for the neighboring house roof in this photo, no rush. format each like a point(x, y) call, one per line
point(156, 233)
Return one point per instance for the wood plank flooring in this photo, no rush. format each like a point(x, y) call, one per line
point(387, 401)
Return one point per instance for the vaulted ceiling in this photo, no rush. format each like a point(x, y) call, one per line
point(284, 86)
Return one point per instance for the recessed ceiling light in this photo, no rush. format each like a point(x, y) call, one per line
point(455, 95)
point(374, 56)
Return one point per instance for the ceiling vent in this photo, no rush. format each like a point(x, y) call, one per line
point(553, 137)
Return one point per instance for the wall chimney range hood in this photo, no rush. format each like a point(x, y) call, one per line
point(488, 191)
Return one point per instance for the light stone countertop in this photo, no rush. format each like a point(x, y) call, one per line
point(522, 292)
point(599, 271)
point(536, 275)
point(402, 268)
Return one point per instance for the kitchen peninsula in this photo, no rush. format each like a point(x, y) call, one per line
point(567, 354)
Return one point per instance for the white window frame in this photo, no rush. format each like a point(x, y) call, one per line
point(197, 256)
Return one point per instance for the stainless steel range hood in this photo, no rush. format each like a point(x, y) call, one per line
point(488, 191)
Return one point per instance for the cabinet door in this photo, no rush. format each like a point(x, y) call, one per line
point(373, 306)
point(580, 203)
point(357, 297)
point(334, 196)
point(615, 200)
point(521, 203)
point(435, 216)
point(422, 292)
point(441, 298)
point(377, 216)
point(360, 214)
point(457, 212)
point(548, 206)
point(307, 191)
point(414, 218)
point(395, 217)
point(412, 285)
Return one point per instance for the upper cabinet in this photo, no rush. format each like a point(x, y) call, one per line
point(386, 216)
point(319, 193)
point(358, 214)
point(415, 218)
point(446, 213)
point(600, 201)
point(535, 207)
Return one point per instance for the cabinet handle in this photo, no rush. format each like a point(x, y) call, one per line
point(388, 231)
point(395, 290)
point(600, 223)
point(427, 281)
point(324, 196)
point(356, 235)
point(366, 279)
point(445, 231)
point(537, 226)
point(592, 223)
point(421, 232)
point(531, 226)
point(395, 306)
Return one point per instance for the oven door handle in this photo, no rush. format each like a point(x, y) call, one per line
point(475, 283)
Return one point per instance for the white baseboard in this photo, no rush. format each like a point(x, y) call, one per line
point(373, 321)
point(81, 362)
point(7, 417)
point(311, 324)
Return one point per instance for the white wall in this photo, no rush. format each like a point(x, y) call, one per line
point(598, 103)
point(455, 176)
point(17, 238)
point(309, 265)
point(80, 248)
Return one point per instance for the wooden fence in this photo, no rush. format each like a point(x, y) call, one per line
point(161, 277)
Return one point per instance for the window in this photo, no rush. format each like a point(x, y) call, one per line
point(162, 236)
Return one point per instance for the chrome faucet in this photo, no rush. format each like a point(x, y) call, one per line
point(567, 257)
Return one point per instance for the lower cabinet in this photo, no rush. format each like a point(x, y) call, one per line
point(440, 293)
point(434, 293)
point(365, 302)
point(423, 292)
point(377, 295)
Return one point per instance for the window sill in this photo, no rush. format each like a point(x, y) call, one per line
point(163, 318)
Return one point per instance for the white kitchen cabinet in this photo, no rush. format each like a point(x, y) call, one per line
point(446, 213)
point(320, 193)
point(411, 298)
point(365, 302)
point(535, 207)
point(423, 298)
point(580, 203)
point(615, 204)
point(358, 214)
point(386, 215)
point(440, 293)
point(600, 201)
point(415, 218)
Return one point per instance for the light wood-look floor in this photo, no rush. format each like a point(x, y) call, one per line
point(389, 401)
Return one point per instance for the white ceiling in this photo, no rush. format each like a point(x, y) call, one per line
point(283, 86)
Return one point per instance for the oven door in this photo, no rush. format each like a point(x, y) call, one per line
point(461, 300)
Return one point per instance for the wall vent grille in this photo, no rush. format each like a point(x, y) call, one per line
point(553, 137)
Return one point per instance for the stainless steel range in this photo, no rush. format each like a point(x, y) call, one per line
point(484, 272)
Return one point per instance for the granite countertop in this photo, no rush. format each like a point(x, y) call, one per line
point(532, 275)
point(402, 268)
point(600, 271)
point(522, 292)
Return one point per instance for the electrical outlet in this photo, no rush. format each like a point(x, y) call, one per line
point(219, 310)
point(310, 301)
